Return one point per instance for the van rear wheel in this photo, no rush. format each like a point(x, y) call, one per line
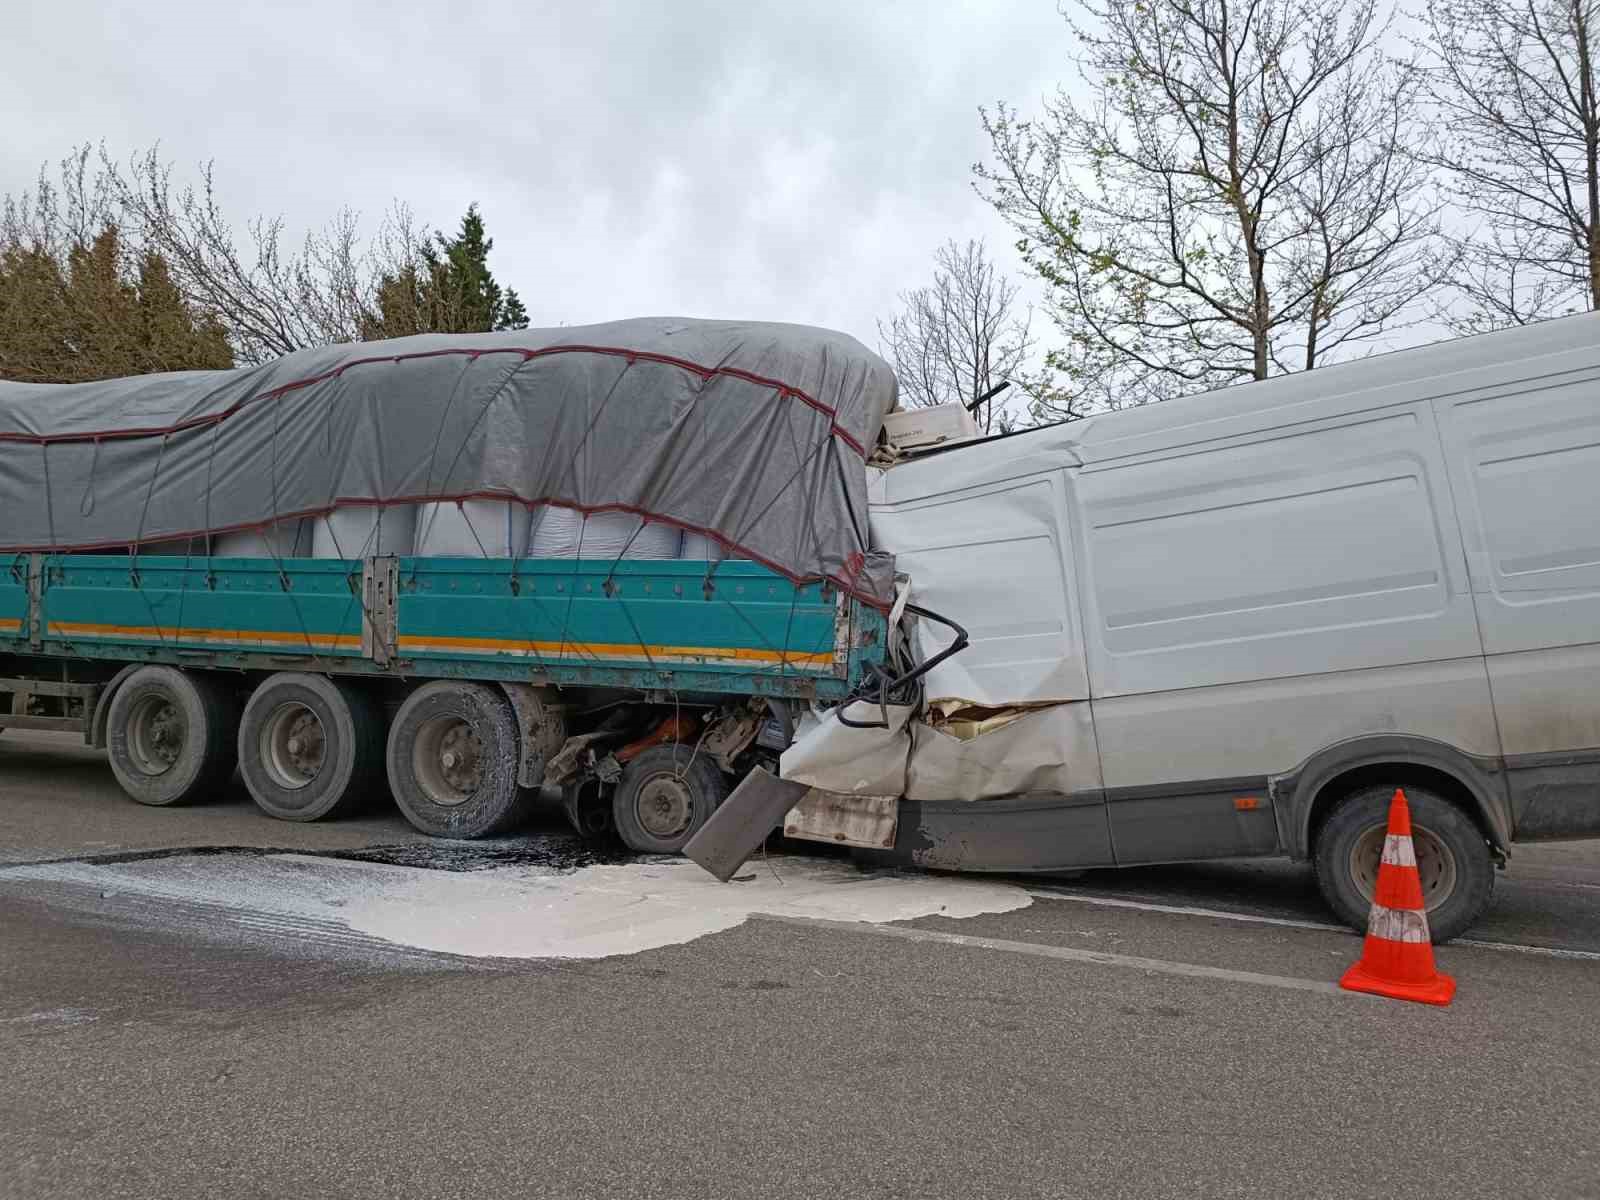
point(1454, 860)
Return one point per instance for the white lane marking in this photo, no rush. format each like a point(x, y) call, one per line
point(1064, 953)
point(1292, 923)
point(1519, 948)
point(1185, 910)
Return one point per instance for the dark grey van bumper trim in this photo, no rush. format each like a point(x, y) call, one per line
point(1555, 795)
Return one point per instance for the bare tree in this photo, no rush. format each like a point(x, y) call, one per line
point(1234, 200)
point(1514, 89)
point(961, 336)
point(272, 297)
point(60, 213)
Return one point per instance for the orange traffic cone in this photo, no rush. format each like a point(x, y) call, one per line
point(1397, 960)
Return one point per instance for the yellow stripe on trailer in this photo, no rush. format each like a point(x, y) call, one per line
point(210, 637)
point(634, 651)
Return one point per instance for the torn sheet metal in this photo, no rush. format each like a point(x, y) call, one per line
point(866, 822)
point(857, 762)
point(1008, 752)
point(968, 752)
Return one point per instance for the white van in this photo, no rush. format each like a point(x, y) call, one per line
point(1233, 624)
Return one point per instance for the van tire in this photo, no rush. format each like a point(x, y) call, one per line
point(345, 765)
point(665, 795)
point(452, 759)
point(1359, 820)
point(170, 736)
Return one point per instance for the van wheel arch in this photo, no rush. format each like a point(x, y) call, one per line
point(1307, 795)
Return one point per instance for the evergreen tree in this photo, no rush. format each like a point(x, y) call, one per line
point(512, 314)
point(91, 312)
point(448, 289)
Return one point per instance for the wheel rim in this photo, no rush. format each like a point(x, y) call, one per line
point(447, 760)
point(1436, 865)
point(293, 745)
point(156, 734)
point(664, 805)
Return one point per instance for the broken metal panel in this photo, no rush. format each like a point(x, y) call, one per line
point(1006, 752)
point(854, 761)
point(743, 822)
point(867, 822)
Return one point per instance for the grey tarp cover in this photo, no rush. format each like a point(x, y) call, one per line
point(751, 433)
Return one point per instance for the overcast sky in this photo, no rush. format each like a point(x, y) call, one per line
point(785, 161)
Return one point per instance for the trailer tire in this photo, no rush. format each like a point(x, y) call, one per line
point(1453, 858)
point(170, 736)
point(665, 795)
point(452, 759)
point(310, 747)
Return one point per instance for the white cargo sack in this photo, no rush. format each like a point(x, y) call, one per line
point(286, 539)
point(627, 535)
point(471, 529)
point(554, 532)
point(697, 547)
point(567, 533)
point(362, 531)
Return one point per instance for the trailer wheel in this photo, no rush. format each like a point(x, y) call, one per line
point(309, 747)
point(1453, 858)
point(665, 795)
point(169, 736)
point(452, 759)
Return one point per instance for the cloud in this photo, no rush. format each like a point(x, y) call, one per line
point(774, 161)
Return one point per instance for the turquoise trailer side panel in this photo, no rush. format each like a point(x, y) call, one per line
point(662, 615)
point(293, 606)
point(13, 601)
point(656, 626)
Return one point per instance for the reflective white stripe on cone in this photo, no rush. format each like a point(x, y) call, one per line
point(1397, 924)
point(1398, 850)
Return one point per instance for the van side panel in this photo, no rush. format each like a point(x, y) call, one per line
point(1182, 759)
point(1525, 466)
point(1254, 598)
point(996, 555)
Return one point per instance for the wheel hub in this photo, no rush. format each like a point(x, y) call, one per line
point(1436, 865)
point(665, 805)
point(156, 734)
point(447, 760)
point(293, 745)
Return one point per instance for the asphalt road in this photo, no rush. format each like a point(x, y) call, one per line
point(1155, 1032)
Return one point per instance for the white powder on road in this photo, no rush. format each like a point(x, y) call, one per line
point(600, 911)
point(525, 912)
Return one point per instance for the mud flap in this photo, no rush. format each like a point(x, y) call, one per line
point(756, 807)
